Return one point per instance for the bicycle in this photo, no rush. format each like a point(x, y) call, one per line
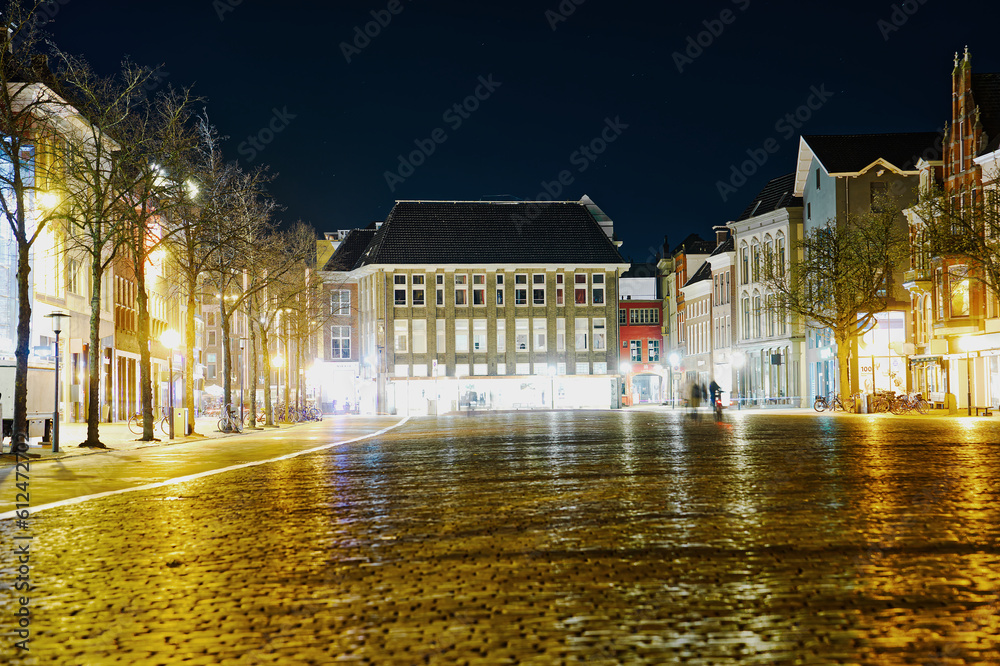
point(135, 424)
point(882, 401)
point(908, 402)
point(831, 402)
point(230, 422)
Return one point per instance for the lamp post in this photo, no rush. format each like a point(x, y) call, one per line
point(243, 365)
point(552, 384)
point(277, 361)
point(170, 339)
point(965, 344)
point(57, 318)
point(739, 359)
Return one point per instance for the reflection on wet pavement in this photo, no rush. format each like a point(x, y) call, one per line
point(608, 537)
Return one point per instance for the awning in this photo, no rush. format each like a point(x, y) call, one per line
point(926, 359)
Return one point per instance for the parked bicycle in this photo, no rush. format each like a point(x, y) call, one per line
point(230, 422)
point(831, 402)
point(882, 401)
point(907, 402)
point(135, 424)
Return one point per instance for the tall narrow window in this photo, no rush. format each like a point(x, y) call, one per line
point(521, 334)
point(540, 333)
point(744, 265)
point(520, 289)
point(622, 317)
point(581, 328)
point(600, 334)
point(779, 256)
point(401, 335)
point(654, 351)
point(561, 334)
point(399, 292)
point(340, 302)
point(499, 288)
point(340, 342)
point(745, 314)
point(560, 289)
point(461, 290)
point(958, 285)
point(442, 336)
point(479, 289)
point(580, 288)
point(597, 282)
point(418, 289)
point(419, 336)
point(462, 336)
point(501, 336)
point(439, 281)
point(538, 289)
point(479, 335)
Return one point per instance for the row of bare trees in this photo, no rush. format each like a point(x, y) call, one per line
point(126, 173)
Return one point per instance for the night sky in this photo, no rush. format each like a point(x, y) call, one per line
point(551, 78)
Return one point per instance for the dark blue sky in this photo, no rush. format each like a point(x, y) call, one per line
point(606, 68)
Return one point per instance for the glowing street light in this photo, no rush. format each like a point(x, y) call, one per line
point(170, 339)
point(48, 200)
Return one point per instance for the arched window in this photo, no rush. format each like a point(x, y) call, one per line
point(755, 260)
point(744, 264)
point(745, 315)
point(770, 315)
point(779, 255)
point(768, 256)
point(756, 315)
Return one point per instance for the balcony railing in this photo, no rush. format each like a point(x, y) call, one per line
point(917, 275)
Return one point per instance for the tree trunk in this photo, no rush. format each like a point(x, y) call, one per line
point(268, 406)
point(23, 340)
point(227, 383)
point(844, 370)
point(145, 360)
point(253, 365)
point(94, 356)
point(288, 370)
point(189, 342)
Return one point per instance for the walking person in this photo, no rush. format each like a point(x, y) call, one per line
point(716, 393)
point(695, 398)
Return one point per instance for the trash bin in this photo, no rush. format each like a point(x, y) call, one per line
point(180, 422)
point(863, 403)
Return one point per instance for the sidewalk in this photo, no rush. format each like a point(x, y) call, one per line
point(803, 411)
point(117, 437)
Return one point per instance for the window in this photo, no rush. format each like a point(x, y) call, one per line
point(73, 276)
point(540, 333)
point(755, 259)
point(521, 335)
point(399, 291)
point(560, 289)
point(439, 280)
point(212, 339)
point(499, 288)
point(715, 288)
point(580, 288)
point(340, 342)
point(418, 289)
point(635, 351)
point(520, 290)
point(598, 288)
point(779, 255)
point(809, 211)
point(725, 294)
point(561, 335)
point(745, 311)
point(461, 290)
point(654, 351)
point(818, 184)
point(538, 289)
point(462, 336)
point(501, 336)
point(769, 271)
point(479, 335)
point(580, 330)
point(600, 334)
point(756, 316)
point(622, 317)
point(340, 302)
point(958, 285)
point(419, 336)
point(442, 336)
point(583, 368)
point(479, 289)
point(645, 315)
point(770, 314)
point(211, 318)
point(401, 335)
point(744, 265)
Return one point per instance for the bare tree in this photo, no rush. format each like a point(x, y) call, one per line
point(842, 277)
point(34, 119)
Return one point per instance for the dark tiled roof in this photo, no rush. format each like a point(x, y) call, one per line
point(703, 273)
point(694, 244)
point(637, 270)
point(986, 93)
point(350, 249)
point(850, 153)
point(727, 245)
point(491, 232)
point(776, 195)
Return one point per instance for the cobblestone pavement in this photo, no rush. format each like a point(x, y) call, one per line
point(610, 537)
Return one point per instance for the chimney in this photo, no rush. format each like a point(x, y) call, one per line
point(721, 234)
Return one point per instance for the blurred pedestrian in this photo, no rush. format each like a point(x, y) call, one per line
point(695, 399)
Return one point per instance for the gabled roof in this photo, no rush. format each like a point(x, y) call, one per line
point(704, 272)
point(777, 194)
point(350, 250)
point(986, 94)
point(850, 154)
point(640, 270)
point(694, 244)
point(490, 232)
point(727, 245)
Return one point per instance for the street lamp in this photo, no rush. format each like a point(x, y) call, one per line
point(552, 384)
point(57, 318)
point(965, 344)
point(170, 339)
point(739, 359)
